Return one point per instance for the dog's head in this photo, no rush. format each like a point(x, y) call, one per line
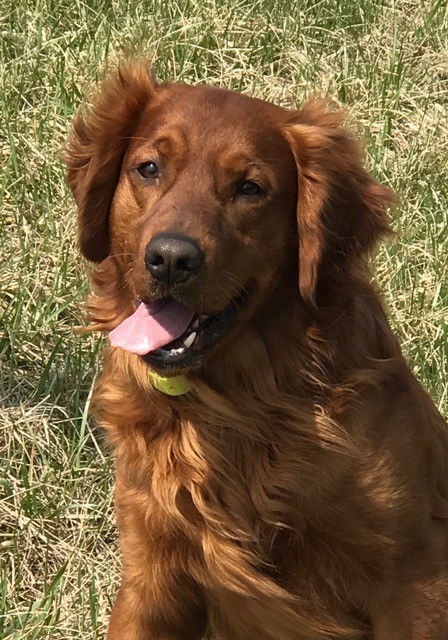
point(204, 197)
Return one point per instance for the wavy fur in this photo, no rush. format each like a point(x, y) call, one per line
point(299, 491)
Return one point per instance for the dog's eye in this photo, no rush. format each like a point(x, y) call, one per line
point(248, 188)
point(148, 170)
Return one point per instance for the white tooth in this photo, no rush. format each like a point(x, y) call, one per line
point(178, 351)
point(189, 341)
point(195, 324)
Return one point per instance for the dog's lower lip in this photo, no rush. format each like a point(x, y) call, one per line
point(204, 331)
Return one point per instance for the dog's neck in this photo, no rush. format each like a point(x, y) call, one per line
point(288, 348)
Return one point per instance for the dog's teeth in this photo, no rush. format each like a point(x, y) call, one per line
point(195, 324)
point(189, 341)
point(177, 352)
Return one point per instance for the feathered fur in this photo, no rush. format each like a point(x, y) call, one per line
point(300, 490)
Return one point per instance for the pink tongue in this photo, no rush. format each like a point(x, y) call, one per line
point(151, 326)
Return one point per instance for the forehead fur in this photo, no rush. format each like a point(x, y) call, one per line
point(214, 118)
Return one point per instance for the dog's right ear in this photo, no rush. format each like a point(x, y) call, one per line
point(96, 149)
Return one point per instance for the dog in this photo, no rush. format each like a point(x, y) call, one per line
point(280, 473)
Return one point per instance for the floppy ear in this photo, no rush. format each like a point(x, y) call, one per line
point(96, 149)
point(341, 210)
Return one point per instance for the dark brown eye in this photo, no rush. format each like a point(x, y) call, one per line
point(148, 170)
point(249, 188)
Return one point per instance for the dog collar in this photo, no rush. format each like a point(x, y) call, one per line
point(175, 386)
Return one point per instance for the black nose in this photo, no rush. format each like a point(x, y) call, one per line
point(173, 258)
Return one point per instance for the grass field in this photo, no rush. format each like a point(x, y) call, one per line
point(386, 61)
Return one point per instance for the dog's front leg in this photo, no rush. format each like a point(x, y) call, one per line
point(391, 618)
point(418, 612)
point(136, 617)
point(158, 599)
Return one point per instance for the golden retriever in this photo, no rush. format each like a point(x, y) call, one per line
point(281, 474)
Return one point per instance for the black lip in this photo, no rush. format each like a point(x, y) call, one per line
point(208, 334)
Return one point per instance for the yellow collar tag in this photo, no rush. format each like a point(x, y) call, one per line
point(175, 386)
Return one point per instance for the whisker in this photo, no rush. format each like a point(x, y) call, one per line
point(120, 255)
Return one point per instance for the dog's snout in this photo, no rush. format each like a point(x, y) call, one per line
point(173, 258)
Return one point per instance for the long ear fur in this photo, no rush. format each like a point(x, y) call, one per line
point(341, 210)
point(96, 149)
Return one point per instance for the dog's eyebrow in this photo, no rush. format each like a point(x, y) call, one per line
point(172, 135)
point(242, 160)
point(257, 163)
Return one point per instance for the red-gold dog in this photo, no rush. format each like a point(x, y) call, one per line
point(281, 475)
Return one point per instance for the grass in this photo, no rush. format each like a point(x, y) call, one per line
point(385, 61)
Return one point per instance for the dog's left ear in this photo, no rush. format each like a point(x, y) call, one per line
point(341, 210)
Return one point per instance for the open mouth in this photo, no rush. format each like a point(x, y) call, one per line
point(169, 336)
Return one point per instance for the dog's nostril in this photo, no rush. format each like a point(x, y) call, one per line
point(182, 264)
point(154, 259)
point(173, 258)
